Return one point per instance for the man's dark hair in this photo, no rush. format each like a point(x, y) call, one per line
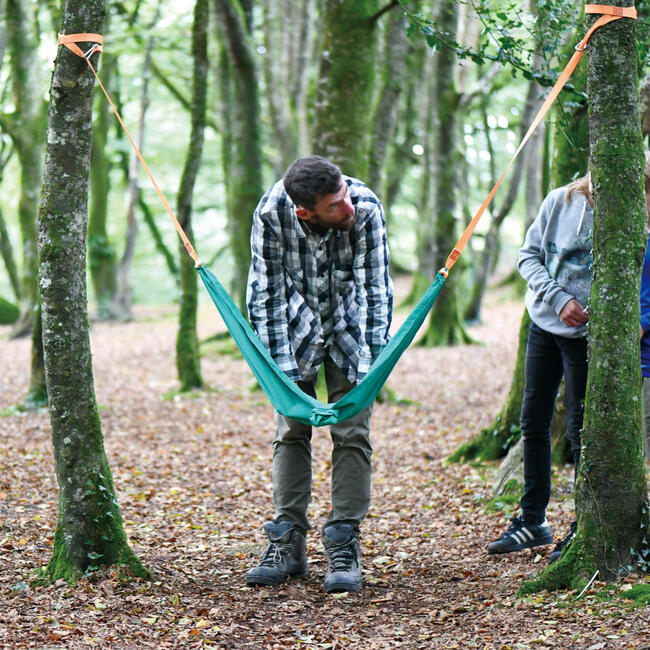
point(309, 179)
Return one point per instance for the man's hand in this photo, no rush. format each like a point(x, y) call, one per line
point(573, 314)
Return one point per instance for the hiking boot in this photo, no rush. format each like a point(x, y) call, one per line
point(343, 551)
point(561, 545)
point(285, 556)
point(521, 535)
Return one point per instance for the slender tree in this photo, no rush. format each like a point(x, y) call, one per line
point(391, 81)
point(89, 530)
point(446, 325)
point(187, 343)
point(243, 174)
point(124, 295)
point(26, 126)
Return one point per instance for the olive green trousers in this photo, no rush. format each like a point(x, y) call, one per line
point(351, 461)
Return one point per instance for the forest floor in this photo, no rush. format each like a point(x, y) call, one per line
point(192, 474)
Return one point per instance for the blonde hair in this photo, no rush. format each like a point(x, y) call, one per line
point(583, 184)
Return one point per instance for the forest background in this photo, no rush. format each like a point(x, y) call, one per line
point(443, 95)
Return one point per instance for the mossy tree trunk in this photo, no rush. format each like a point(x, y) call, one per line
point(391, 81)
point(101, 252)
point(345, 88)
point(188, 360)
point(243, 174)
point(611, 492)
point(446, 326)
point(89, 530)
point(26, 126)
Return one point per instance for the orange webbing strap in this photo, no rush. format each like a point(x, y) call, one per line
point(610, 14)
point(70, 41)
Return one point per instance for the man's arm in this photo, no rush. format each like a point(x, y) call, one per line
point(266, 295)
point(374, 287)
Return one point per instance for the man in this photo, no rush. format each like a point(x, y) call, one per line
point(319, 293)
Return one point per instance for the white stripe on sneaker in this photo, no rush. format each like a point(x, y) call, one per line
point(525, 530)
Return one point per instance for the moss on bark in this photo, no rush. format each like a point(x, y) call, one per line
point(611, 491)
point(345, 88)
point(89, 528)
point(188, 361)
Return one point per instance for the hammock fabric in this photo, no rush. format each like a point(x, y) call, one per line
point(283, 393)
point(285, 396)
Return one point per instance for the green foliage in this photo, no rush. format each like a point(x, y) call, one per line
point(508, 36)
point(508, 500)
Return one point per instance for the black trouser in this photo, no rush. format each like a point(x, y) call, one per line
point(548, 357)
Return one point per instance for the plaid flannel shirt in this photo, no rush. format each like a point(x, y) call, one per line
point(310, 295)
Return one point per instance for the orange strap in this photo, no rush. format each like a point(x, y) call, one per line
point(610, 14)
point(70, 41)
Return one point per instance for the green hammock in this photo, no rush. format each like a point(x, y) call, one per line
point(283, 393)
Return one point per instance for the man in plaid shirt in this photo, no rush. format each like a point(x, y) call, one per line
point(319, 293)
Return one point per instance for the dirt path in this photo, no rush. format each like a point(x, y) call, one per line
point(193, 481)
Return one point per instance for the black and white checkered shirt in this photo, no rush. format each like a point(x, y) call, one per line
point(310, 295)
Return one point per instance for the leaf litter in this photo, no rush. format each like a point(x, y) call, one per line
point(193, 480)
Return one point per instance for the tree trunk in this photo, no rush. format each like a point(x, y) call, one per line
point(276, 68)
point(37, 391)
point(27, 130)
point(446, 326)
point(345, 87)
point(391, 81)
point(494, 441)
point(89, 530)
point(101, 253)
point(8, 257)
point(188, 361)
point(124, 295)
point(244, 185)
point(611, 492)
point(487, 259)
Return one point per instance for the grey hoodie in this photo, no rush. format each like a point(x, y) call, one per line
point(556, 260)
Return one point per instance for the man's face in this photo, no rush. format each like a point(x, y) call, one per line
point(331, 211)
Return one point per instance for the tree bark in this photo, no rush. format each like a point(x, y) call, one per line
point(188, 361)
point(446, 326)
point(89, 530)
point(27, 130)
point(345, 88)
point(391, 81)
point(124, 295)
point(611, 491)
point(101, 252)
point(244, 185)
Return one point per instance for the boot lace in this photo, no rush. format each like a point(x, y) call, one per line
point(342, 558)
point(275, 554)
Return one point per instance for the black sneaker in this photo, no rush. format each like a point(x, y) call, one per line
point(521, 535)
point(561, 545)
point(285, 556)
point(343, 551)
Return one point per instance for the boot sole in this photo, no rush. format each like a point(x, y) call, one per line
point(264, 581)
point(338, 587)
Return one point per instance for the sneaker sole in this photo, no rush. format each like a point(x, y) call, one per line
point(520, 547)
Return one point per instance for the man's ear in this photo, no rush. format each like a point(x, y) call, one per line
point(302, 213)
